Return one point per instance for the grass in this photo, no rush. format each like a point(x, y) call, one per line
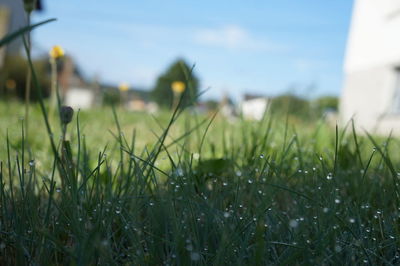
point(196, 193)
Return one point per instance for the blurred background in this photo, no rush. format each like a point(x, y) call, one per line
point(248, 57)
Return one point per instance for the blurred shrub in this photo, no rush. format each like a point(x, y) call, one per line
point(290, 104)
point(14, 73)
point(162, 92)
point(326, 103)
point(296, 106)
point(111, 96)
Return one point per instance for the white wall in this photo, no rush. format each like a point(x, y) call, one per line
point(372, 55)
point(254, 108)
point(374, 35)
point(79, 98)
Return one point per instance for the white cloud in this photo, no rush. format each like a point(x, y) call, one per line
point(231, 37)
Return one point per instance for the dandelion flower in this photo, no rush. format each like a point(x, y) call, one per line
point(123, 87)
point(178, 86)
point(56, 52)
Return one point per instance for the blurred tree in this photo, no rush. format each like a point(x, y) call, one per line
point(111, 96)
point(326, 103)
point(14, 74)
point(212, 104)
point(163, 93)
point(292, 105)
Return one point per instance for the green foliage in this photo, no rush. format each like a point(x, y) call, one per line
point(290, 104)
point(326, 103)
point(305, 109)
point(111, 97)
point(212, 104)
point(16, 68)
point(178, 71)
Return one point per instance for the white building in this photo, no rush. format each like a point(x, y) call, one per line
point(371, 92)
point(253, 107)
point(80, 98)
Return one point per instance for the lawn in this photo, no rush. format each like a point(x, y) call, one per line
point(186, 189)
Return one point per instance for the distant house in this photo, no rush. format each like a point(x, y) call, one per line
point(139, 100)
point(74, 90)
point(371, 93)
point(253, 107)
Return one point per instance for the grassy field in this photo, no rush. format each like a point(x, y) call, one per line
point(132, 189)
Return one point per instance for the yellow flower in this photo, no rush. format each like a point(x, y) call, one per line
point(178, 86)
point(56, 52)
point(123, 86)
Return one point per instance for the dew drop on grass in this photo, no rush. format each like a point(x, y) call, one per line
point(329, 176)
point(224, 184)
point(262, 156)
point(250, 181)
point(58, 190)
point(32, 163)
point(337, 201)
point(352, 220)
point(325, 210)
point(338, 248)
point(227, 214)
point(293, 223)
point(238, 173)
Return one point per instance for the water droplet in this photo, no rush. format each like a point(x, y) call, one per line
point(227, 214)
point(262, 156)
point(32, 163)
point(58, 190)
point(250, 181)
point(352, 220)
point(337, 201)
point(325, 210)
point(329, 176)
point(293, 223)
point(338, 248)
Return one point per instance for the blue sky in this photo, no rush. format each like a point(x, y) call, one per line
point(255, 46)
